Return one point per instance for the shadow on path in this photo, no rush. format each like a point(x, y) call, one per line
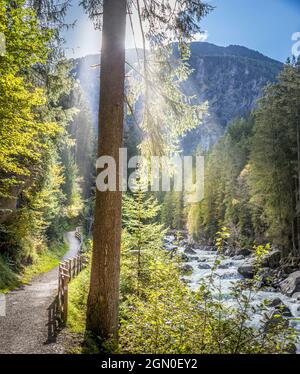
point(54, 323)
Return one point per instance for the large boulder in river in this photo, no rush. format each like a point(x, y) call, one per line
point(272, 259)
point(247, 269)
point(291, 284)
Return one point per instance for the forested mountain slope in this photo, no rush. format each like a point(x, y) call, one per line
point(230, 78)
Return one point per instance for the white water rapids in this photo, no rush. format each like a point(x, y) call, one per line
point(228, 274)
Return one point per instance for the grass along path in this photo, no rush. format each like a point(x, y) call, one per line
point(46, 261)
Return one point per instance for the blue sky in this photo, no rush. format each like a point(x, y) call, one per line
point(263, 25)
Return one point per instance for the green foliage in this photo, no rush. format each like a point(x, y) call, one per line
point(274, 160)
point(22, 132)
point(222, 237)
point(81, 129)
point(71, 187)
point(226, 192)
point(8, 278)
point(159, 314)
point(44, 262)
point(261, 251)
point(78, 293)
point(173, 210)
point(169, 318)
point(39, 213)
point(140, 239)
point(168, 112)
point(252, 174)
point(38, 184)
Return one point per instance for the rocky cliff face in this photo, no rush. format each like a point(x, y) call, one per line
point(230, 78)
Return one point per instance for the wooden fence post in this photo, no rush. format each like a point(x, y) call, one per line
point(67, 270)
point(65, 306)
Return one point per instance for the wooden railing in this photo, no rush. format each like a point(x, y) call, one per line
point(78, 236)
point(68, 270)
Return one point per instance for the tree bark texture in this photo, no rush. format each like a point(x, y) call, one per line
point(103, 300)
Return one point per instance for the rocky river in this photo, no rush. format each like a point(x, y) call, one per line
point(200, 259)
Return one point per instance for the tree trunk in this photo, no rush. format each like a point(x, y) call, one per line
point(298, 189)
point(103, 300)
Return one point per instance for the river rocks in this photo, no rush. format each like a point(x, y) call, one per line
point(272, 259)
point(280, 307)
point(225, 266)
point(171, 247)
point(229, 252)
point(269, 289)
point(187, 269)
point(169, 238)
point(228, 275)
point(275, 302)
point(274, 318)
point(291, 284)
point(204, 266)
point(296, 296)
point(208, 248)
point(247, 269)
point(233, 252)
point(238, 258)
point(184, 257)
point(202, 259)
point(243, 252)
point(284, 310)
point(191, 243)
point(192, 258)
point(189, 251)
point(265, 277)
point(288, 269)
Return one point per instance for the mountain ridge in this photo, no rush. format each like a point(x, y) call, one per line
point(230, 50)
point(230, 78)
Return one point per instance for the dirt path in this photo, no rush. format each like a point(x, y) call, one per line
point(26, 327)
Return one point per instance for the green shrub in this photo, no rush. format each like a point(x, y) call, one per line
point(8, 278)
point(45, 261)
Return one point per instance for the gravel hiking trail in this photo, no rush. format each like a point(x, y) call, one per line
point(29, 326)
